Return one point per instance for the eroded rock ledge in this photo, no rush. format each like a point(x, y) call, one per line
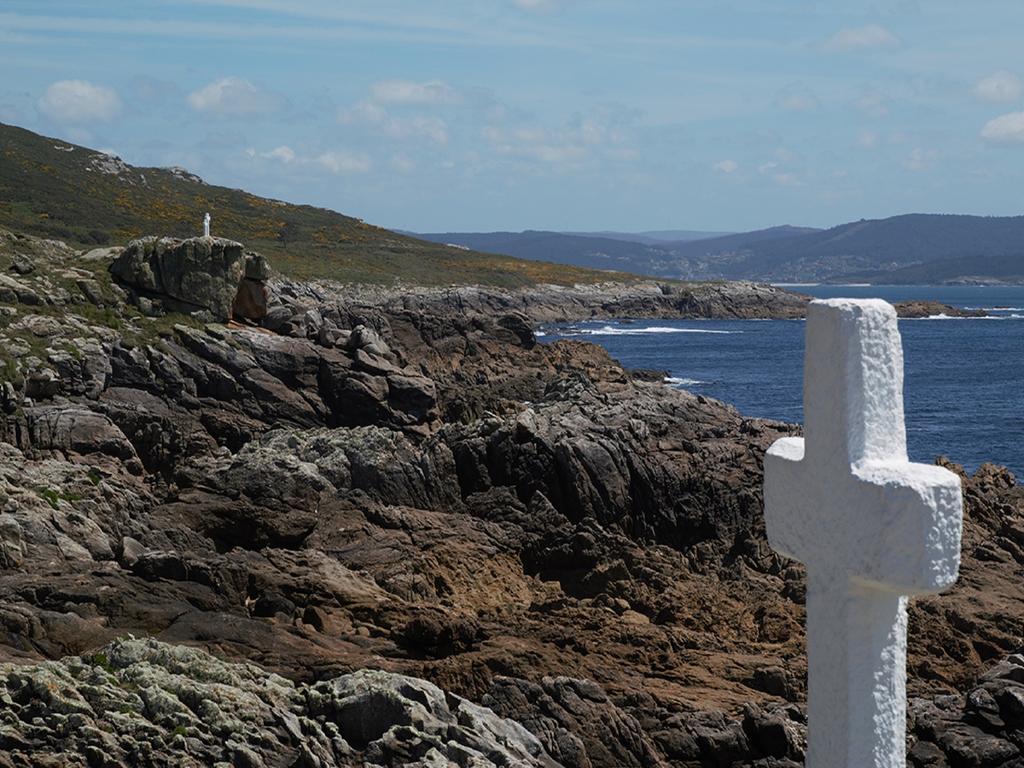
point(553, 303)
point(210, 276)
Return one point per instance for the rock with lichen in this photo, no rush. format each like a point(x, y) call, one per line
point(210, 274)
point(143, 702)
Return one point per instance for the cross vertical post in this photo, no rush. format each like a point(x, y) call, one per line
point(871, 527)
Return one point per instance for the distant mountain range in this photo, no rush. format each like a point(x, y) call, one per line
point(914, 248)
point(654, 237)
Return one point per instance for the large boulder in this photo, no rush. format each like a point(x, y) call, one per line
point(75, 429)
point(252, 297)
point(200, 273)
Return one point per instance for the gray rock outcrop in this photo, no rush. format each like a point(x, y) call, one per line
point(143, 702)
point(200, 273)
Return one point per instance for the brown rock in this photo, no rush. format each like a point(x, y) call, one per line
point(251, 300)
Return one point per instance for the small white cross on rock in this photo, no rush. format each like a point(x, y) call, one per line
point(870, 526)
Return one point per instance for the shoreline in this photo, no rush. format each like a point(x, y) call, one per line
point(648, 299)
point(614, 301)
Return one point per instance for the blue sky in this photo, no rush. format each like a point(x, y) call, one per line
point(547, 114)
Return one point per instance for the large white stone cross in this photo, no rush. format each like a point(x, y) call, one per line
point(870, 526)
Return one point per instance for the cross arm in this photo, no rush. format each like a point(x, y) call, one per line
point(789, 513)
point(910, 534)
point(890, 524)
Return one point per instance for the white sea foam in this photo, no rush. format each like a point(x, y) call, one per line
point(610, 330)
point(951, 317)
point(676, 381)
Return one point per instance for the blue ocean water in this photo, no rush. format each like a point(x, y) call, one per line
point(963, 384)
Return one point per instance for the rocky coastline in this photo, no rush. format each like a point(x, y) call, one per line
point(642, 300)
point(926, 309)
point(382, 527)
point(553, 303)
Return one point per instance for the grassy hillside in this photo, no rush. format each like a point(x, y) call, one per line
point(55, 189)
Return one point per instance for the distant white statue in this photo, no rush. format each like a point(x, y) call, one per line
point(206, 225)
point(870, 526)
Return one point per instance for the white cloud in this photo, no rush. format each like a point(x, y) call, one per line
point(797, 98)
point(860, 38)
point(593, 131)
point(433, 128)
point(726, 166)
point(530, 135)
point(364, 112)
point(1000, 87)
point(781, 171)
point(339, 162)
point(554, 154)
point(566, 146)
point(283, 153)
point(868, 140)
point(787, 179)
point(1005, 129)
point(340, 26)
point(409, 92)
point(403, 163)
point(920, 159)
point(606, 124)
point(234, 96)
point(370, 114)
point(873, 103)
point(79, 101)
point(343, 162)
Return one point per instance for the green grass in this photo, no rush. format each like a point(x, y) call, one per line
point(50, 192)
point(134, 328)
point(54, 497)
point(99, 659)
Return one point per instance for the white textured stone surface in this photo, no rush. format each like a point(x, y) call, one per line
point(870, 526)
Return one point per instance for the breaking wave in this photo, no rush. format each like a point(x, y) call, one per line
point(676, 381)
point(951, 317)
point(610, 330)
